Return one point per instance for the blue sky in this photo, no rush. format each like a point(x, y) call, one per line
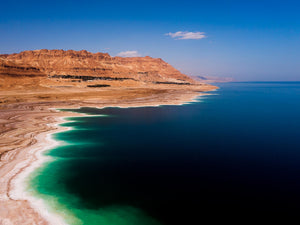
point(246, 40)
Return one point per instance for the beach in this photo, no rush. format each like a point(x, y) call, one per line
point(26, 130)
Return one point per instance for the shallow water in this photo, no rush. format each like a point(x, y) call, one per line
point(236, 152)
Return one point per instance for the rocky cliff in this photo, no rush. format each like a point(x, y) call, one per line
point(84, 65)
point(10, 68)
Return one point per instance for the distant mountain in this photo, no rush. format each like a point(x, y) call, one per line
point(212, 79)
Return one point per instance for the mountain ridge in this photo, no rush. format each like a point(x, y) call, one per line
point(84, 63)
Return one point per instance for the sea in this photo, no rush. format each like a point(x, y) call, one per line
point(233, 152)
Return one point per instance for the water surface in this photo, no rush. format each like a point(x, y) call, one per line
point(236, 152)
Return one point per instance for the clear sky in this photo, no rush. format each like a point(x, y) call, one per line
point(245, 39)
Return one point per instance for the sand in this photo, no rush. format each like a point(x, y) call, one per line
point(26, 126)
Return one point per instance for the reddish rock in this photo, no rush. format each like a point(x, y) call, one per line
point(83, 63)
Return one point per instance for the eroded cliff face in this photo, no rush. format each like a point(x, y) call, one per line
point(77, 64)
point(10, 68)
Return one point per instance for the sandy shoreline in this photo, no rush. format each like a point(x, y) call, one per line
point(26, 133)
point(36, 159)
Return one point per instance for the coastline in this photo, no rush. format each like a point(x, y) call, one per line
point(18, 163)
point(18, 185)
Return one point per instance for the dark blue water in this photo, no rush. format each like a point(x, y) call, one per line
point(236, 152)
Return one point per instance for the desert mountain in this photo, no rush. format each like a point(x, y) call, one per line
point(87, 66)
point(212, 79)
point(11, 68)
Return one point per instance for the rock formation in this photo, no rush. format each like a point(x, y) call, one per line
point(84, 65)
point(10, 68)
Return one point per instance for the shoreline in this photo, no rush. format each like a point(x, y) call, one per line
point(20, 182)
point(16, 165)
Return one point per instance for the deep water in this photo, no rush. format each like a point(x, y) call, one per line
point(235, 152)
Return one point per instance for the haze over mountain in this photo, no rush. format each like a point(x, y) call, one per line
point(212, 79)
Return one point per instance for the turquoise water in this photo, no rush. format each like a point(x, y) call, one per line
point(236, 151)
